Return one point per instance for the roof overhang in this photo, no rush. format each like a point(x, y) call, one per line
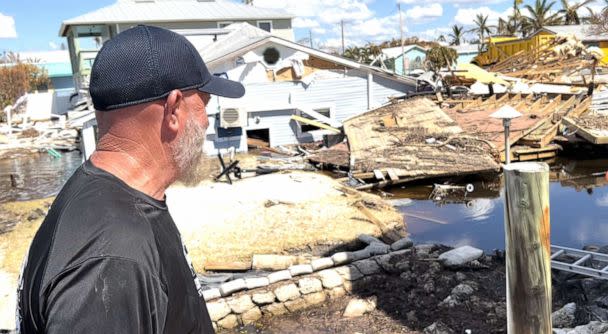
point(319, 54)
point(65, 25)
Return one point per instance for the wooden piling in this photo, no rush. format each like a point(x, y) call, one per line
point(528, 249)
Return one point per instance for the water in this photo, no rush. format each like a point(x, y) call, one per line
point(578, 202)
point(35, 176)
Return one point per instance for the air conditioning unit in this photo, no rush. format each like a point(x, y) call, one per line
point(233, 118)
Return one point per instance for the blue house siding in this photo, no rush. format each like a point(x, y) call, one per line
point(412, 56)
point(465, 58)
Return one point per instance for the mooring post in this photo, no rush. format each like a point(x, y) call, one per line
point(528, 248)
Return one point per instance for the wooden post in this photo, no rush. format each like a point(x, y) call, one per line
point(528, 249)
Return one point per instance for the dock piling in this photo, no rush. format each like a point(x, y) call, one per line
point(528, 249)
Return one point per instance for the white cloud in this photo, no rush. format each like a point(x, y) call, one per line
point(336, 43)
point(300, 22)
point(375, 28)
point(328, 11)
point(420, 13)
point(433, 34)
point(466, 16)
point(319, 30)
point(7, 27)
point(454, 2)
point(347, 10)
point(53, 45)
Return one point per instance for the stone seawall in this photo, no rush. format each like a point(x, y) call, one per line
point(246, 300)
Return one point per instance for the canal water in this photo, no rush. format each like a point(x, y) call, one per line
point(26, 177)
point(578, 203)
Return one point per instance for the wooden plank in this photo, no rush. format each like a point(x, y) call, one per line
point(528, 249)
point(227, 266)
point(379, 175)
point(392, 174)
point(314, 123)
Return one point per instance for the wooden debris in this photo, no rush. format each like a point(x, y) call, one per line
point(537, 127)
point(414, 146)
point(549, 62)
point(592, 127)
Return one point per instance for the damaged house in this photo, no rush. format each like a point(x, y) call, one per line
point(294, 93)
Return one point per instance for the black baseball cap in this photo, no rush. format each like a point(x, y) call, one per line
point(146, 63)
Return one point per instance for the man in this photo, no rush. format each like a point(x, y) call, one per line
point(108, 257)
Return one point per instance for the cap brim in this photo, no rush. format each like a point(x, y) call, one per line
point(223, 87)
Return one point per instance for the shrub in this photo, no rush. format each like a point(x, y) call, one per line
point(19, 78)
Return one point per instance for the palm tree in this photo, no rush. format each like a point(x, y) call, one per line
point(248, 2)
point(441, 38)
point(439, 57)
point(353, 53)
point(570, 12)
point(516, 17)
point(539, 15)
point(456, 35)
point(482, 29)
point(503, 27)
point(373, 51)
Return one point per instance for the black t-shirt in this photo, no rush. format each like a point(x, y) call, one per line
point(108, 259)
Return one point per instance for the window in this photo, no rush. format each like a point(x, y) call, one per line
point(271, 56)
point(224, 24)
point(323, 111)
point(265, 25)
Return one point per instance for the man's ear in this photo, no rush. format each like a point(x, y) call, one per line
point(175, 101)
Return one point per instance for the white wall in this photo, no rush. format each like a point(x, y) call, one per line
point(274, 103)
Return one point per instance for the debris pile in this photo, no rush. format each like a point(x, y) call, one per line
point(563, 60)
point(413, 140)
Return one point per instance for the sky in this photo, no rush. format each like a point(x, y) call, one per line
point(33, 25)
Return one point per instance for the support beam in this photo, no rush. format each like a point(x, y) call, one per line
point(528, 250)
point(370, 91)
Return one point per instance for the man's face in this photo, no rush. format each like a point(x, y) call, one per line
point(188, 149)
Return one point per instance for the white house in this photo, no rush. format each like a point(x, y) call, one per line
point(86, 33)
point(283, 79)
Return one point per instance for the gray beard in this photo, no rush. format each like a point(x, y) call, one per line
point(189, 152)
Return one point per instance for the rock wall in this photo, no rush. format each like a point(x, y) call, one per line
point(246, 300)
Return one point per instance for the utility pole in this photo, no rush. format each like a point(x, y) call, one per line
point(342, 28)
point(310, 37)
point(402, 46)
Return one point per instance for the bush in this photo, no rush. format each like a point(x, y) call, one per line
point(20, 78)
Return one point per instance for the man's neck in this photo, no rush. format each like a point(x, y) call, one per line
point(150, 179)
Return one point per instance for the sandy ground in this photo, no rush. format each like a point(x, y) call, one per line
point(24, 218)
point(273, 214)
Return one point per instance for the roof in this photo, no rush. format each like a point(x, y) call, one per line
point(241, 35)
point(57, 63)
point(396, 51)
point(139, 11)
point(465, 48)
point(245, 37)
point(582, 32)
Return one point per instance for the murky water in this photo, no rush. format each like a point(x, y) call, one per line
point(29, 177)
point(578, 201)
